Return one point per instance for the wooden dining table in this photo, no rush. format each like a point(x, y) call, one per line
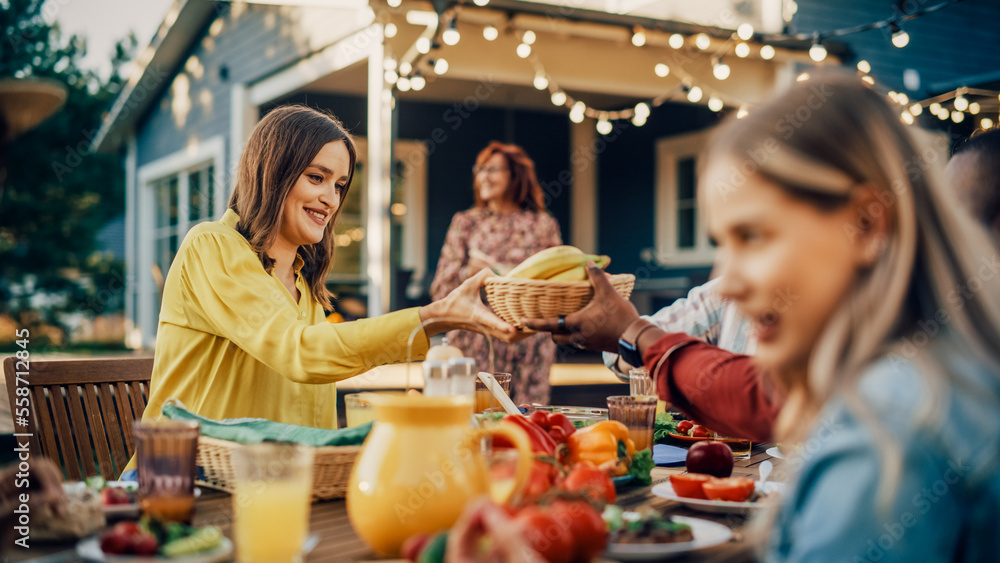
point(337, 540)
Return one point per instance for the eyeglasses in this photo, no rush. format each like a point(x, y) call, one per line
point(476, 170)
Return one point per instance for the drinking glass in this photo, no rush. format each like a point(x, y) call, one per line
point(357, 409)
point(165, 453)
point(637, 414)
point(740, 446)
point(271, 501)
point(483, 396)
point(640, 383)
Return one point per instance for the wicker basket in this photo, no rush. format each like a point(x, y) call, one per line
point(513, 299)
point(331, 467)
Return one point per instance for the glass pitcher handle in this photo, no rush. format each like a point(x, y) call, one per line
point(525, 456)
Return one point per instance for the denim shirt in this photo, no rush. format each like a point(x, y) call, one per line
point(946, 506)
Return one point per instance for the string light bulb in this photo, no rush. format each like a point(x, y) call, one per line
point(986, 123)
point(577, 114)
point(916, 109)
point(868, 80)
point(394, 3)
point(523, 50)
point(715, 104)
point(817, 52)
point(935, 108)
point(418, 82)
point(720, 70)
point(558, 98)
point(528, 37)
point(490, 33)
point(603, 126)
point(744, 31)
point(961, 103)
point(742, 112)
point(638, 37)
point(902, 98)
point(907, 117)
point(661, 70)
point(390, 30)
point(957, 116)
point(695, 94)
point(403, 84)
point(405, 68)
point(422, 45)
point(767, 52)
point(440, 66)
point(864, 67)
point(540, 82)
point(742, 50)
point(676, 41)
point(974, 108)
point(451, 36)
point(480, 3)
point(899, 37)
point(390, 77)
point(642, 108)
point(639, 120)
point(702, 41)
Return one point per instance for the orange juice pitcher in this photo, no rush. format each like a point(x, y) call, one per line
point(419, 466)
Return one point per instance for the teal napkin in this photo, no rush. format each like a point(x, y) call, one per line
point(256, 430)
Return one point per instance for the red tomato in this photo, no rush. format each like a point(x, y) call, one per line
point(127, 528)
point(114, 543)
point(539, 481)
point(540, 418)
point(736, 489)
point(684, 426)
point(590, 535)
point(588, 480)
point(689, 484)
point(699, 431)
point(552, 539)
point(144, 544)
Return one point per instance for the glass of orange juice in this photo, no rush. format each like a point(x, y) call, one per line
point(357, 409)
point(271, 501)
point(485, 399)
point(165, 453)
point(637, 414)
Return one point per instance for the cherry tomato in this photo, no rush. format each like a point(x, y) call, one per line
point(588, 480)
point(699, 431)
point(590, 535)
point(550, 538)
point(689, 484)
point(684, 426)
point(736, 489)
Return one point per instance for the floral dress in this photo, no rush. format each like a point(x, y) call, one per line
point(507, 238)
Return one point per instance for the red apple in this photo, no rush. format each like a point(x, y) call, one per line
point(114, 543)
point(710, 457)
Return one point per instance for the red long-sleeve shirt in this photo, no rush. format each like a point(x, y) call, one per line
point(722, 390)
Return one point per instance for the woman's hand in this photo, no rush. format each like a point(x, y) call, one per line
point(484, 520)
point(464, 303)
point(599, 325)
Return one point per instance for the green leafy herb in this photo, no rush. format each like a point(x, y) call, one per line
point(663, 425)
point(641, 466)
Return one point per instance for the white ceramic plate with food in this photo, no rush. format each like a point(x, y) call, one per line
point(706, 534)
point(665, 490)
point(90, 550)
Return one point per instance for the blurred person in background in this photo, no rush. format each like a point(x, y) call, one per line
point(888, 358)
point(507, 224)
point(974, 174)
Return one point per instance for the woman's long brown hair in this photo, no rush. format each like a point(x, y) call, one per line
point(524, 187)
point(280, 148)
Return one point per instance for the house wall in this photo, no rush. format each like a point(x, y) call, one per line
point(957, 41)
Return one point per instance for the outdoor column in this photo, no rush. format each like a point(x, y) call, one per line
point(583, 195)
point(379, 186)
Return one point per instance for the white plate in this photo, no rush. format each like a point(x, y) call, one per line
point(90, 550)
point(118, 511)
point(665, 490)
point(706, 534)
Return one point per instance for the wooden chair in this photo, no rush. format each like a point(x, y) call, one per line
point(81, 411)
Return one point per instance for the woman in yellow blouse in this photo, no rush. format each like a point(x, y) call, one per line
point(242, 331)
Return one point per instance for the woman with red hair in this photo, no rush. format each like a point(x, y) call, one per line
point(507, 224)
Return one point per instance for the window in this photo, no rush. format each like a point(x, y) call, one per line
point(681, 236)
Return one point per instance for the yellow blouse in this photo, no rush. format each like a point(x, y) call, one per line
point(232, 342)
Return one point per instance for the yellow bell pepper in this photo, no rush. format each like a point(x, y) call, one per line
point(598, 444)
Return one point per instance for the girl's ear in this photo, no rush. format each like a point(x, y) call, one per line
point(873, 209)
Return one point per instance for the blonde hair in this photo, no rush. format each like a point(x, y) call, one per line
point(821, 141)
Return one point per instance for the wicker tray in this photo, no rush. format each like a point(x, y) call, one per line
point(513, 299)
point(331, 467)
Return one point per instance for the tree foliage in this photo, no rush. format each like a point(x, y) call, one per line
point(58, 194)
